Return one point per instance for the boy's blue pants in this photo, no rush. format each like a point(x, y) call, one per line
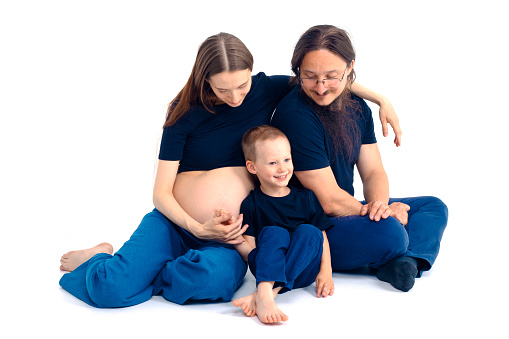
point(291, 261)
point(160, 258)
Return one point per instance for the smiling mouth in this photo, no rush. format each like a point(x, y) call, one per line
point(281, 176)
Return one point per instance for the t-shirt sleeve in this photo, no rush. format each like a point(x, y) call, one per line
point(245, 210)
point(306, 136)
point(369, 136)
point(320, 220)
point(172, 143)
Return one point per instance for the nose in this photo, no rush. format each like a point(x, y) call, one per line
point(320, 88)
point(235, 97)
point(281, 167)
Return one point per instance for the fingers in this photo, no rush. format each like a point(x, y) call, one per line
point(324, 288)
point(397, 132)
point(378, 210)
point(365, 210)
point(385, 129)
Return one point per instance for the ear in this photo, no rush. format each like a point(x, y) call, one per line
point(351, 66)
point(250, 167)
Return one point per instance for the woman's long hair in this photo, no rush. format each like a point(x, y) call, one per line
point(219, 53)
point(338, 118)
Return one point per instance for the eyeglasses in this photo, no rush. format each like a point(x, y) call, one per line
point(327, 82)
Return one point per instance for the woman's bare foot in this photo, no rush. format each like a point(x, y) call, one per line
point(247, 303)
point(73, 259)
point(266, 308)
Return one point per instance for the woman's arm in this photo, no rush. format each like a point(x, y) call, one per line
point(324, 281)
point(165, 202)
point(387, 113)
point(335, 201)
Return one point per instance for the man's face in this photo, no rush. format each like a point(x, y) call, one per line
point(323, 65)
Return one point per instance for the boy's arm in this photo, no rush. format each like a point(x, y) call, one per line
point(324, 281)
point(246, 247)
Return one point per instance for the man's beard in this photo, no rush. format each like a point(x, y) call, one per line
point(338, 119)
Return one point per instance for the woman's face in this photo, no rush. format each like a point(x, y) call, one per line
point(231, 87)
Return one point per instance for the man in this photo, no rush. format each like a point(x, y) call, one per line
point(331, 131)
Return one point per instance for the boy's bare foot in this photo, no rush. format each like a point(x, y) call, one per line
point(73, 259)
point(266, 308)
point(247, 303)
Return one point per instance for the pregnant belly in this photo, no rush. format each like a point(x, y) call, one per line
point(201, 193)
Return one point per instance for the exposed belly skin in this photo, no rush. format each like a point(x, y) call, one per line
point(201, 193)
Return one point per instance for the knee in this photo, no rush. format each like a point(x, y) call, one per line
point(394, 238)
point(309, 232)
point(275, 232)
point(438, 206)
point(219, 271)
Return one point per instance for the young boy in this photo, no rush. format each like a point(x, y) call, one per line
point(291, 248)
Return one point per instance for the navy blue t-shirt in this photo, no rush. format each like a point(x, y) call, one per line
point(311, 145)
point(299, 207)
point(201, 140)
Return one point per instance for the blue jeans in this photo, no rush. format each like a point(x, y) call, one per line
point(357, 241)
point(160, 258)
point(291, 261)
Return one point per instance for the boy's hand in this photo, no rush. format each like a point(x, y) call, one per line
point(324, 284)
point(222, 212)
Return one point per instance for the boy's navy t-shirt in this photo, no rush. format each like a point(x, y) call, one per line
point(311, 145)
point(300, 206)
point(202, 141)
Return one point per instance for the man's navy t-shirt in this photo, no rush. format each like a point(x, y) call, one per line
point(311, 146)
point(299, 207)
point(202, 141)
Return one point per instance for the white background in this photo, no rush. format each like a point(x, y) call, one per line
point(84, 87)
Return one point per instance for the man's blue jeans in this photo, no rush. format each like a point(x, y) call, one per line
point(291, 261)
point(160, 258)
point(357, 241)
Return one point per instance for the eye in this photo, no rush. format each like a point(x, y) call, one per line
point(288, 159)
point(243, 85)
point(272, 163)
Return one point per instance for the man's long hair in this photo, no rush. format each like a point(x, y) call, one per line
point(338, 118)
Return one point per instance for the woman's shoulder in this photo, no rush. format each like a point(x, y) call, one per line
point(277, 85)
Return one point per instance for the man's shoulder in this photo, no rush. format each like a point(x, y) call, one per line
point(293, 106)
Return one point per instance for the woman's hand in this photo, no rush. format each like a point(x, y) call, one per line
point(224, 227)
point(400, 211)
point(377, 210)
point(324, 284)
point(388, 115)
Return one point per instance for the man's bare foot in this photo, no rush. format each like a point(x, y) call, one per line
point(247, 303)
point(266, 308)
point(73, 259)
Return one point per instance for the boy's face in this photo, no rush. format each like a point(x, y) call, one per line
point(273, 164)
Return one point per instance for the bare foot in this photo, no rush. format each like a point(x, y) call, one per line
point(247, 303)
point(266, 308)
point(73, 259)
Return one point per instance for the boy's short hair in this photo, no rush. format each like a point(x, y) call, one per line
point(258, 133)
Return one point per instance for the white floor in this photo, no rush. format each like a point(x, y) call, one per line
point(83, 92)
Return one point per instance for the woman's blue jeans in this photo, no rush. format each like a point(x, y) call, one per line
point(160, 258)
point(357, 241)
point(291, 261)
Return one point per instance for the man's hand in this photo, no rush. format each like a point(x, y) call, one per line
point(400, 211)
point(377, 210)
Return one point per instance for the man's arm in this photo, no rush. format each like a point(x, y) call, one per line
point(375, 183)
point(335, 201)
